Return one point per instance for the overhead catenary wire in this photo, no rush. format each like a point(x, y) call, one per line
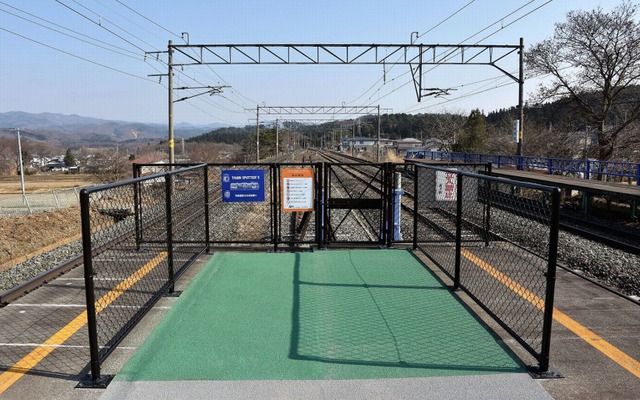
point(453, 53)
point(99, 23)
point(109, 46)
point(235, 99)
point(75, 55)
point(73, 37)
point(60, 29)
point(399, 57)
point(215, 75)
point(148, 19)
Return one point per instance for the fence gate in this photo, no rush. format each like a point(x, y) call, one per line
point(357, 204)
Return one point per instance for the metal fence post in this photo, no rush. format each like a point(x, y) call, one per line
point(207, 231)
point(275, 204)
point(94, 350)
point(319, 205)
point(487, 227)
point(551, 280)
point(415, 206)
point(137, 207)
point(390, 172)
point(168, 178)
point(456, 276)
point(326, 192)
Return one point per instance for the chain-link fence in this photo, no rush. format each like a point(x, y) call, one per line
point(138, 235)
point(497, 240)
point(242, 204)
point(18, 204)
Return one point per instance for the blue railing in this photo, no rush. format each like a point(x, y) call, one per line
point(587, 169)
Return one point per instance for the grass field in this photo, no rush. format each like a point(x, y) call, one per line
point(10, 184)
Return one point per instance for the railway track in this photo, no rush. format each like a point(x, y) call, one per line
point(607, 234)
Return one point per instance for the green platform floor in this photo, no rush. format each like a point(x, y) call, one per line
point(324, 315)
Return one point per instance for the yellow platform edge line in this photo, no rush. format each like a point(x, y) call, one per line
point(24, 365)
point(584, 333)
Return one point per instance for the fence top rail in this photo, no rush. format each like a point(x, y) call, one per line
point(525, 159)
point(513, 182)
point(126, 182)
point(422, 161)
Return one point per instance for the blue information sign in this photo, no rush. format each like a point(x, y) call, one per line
point(242, 185)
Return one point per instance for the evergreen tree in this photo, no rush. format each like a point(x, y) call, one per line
point(474, 135)
point(69, 159)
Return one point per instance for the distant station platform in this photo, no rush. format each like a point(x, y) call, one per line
point(564, 182)
point(588, 187)
point(327, 324)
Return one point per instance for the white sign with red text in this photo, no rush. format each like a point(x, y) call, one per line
point(446, 186)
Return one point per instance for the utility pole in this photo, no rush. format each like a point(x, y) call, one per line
point(521, 100)
point(20, 165)
point(257, 134)
point(378, 143)
point(172, 156)
point(277, 145)
point(353, 137)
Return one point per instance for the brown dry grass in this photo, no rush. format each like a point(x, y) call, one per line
point(24, 236)
point(10, 184)
point(27, 235)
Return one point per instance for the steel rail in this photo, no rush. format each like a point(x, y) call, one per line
point(16, 292)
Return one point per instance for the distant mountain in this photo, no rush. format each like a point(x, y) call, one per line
point(70, 129)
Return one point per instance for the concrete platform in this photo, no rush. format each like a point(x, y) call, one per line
point(333, 324)
point(588, 372)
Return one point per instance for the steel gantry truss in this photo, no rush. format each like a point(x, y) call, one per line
point(316, 110)
point(415, 55)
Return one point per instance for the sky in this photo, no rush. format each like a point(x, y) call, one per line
point(95, 58)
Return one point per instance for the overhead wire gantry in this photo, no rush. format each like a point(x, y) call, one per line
point(415, 55)
point(316, 110)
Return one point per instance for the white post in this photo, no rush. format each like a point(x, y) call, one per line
point(20, 162)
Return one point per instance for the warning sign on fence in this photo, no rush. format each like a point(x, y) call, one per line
point(297, 189)
point(446, 186)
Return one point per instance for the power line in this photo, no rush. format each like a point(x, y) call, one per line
point(454, 52)
point(446, 19)
point(126, 19)
point(101, 18)
point(75, 56)
point(100, 24)
point(517, 19)
point(419, 36)
point(71, 36)
point(141, 15)
point(63, 27)
point(236, 93)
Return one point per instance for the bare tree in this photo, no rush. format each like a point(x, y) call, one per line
point(446, 128)
point(594, 60)
point(110, 166)
point(8, 155)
